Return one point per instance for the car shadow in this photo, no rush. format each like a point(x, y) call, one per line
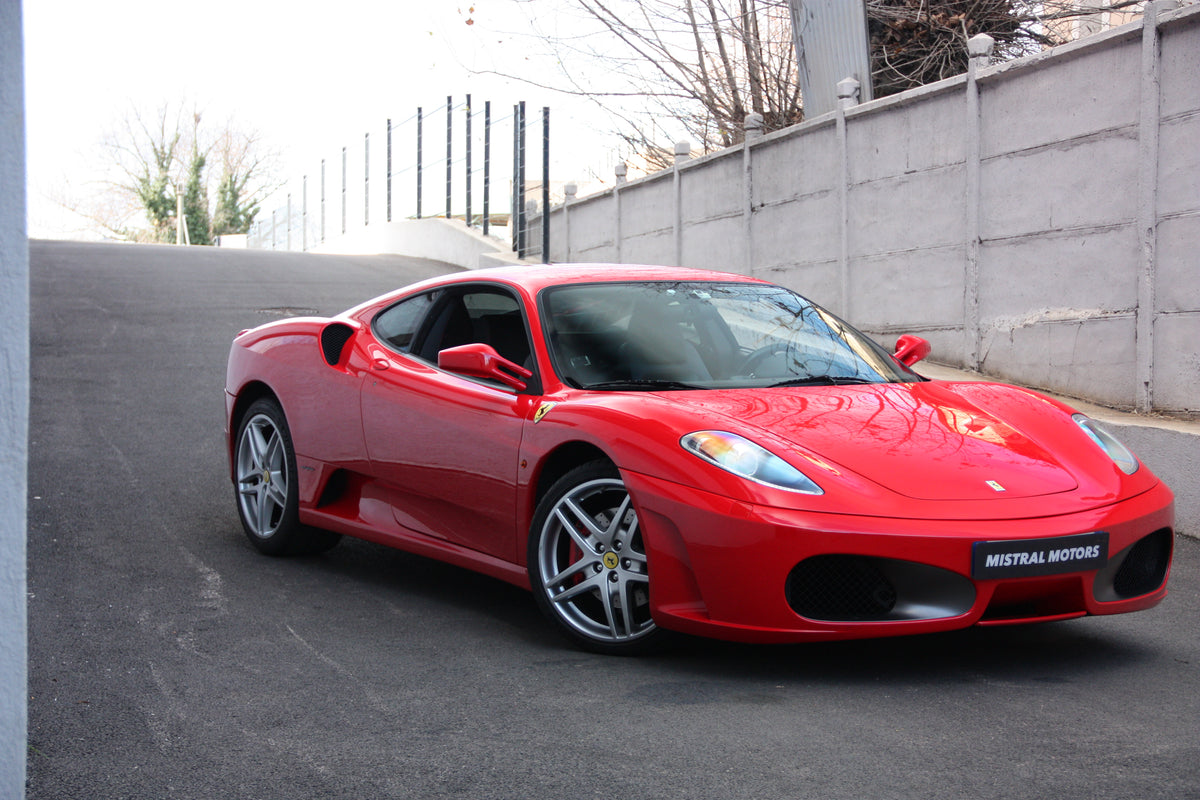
point(1044, 653)
point(1033, 654)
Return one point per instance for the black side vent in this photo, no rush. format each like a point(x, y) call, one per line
point(1145, 568)
point(333, 340)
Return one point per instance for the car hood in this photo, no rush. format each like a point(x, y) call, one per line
point(928, 441)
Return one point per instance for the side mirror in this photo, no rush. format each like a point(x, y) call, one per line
point(482, 361)
point(911, 349)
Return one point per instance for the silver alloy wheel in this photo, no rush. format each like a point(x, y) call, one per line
point(262, 475)
point(592, 563)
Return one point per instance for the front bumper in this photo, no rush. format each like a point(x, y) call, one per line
point(732, 570)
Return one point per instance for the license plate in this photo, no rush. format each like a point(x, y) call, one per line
point(1023, 558)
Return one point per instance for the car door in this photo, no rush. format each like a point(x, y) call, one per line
point(448, 446)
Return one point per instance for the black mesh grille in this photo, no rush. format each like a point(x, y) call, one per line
point(841, 588)
point(1145, 567)
point(333, 339)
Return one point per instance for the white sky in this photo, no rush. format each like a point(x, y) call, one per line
point(309, 81)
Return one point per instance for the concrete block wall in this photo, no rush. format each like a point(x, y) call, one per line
point(1036, 220)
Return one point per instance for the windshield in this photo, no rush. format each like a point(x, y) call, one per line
point(651, 335)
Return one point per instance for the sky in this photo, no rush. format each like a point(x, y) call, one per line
point(308, 77)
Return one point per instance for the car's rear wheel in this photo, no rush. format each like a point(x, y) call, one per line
point(265, 483)
point(587, 562)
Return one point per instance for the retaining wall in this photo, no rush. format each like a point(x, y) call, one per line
point(1037, 220)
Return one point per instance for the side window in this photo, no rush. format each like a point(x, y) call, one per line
point(397, 325)
point(486, 316)
point(497, 321)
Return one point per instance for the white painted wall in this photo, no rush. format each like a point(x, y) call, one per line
point(14, 404)
point(1037, 220)
point(435, 238)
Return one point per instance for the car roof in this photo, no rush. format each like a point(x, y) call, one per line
point(534, 278)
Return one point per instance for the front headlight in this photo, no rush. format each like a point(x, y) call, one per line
point(744, 458)
point(1118, 452)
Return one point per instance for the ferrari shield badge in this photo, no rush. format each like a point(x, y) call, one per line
point(542, 411)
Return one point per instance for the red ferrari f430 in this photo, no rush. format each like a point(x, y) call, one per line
point(655, 449)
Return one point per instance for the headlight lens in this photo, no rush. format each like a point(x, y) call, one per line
point(744, 458)
point(1118, 452)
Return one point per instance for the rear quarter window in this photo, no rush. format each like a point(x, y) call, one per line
point(396, 325)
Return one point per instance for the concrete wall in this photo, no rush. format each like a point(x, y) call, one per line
point(435, 238)
point(14, 403)
point(1035, 220)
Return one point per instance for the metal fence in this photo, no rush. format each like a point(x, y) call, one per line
point(469, 162)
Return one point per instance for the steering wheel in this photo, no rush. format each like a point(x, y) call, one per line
point(756, 359)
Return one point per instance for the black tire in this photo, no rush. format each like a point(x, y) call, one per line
point(265, 485)
point(587, 563)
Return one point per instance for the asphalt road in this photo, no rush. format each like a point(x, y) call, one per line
point(170, 660)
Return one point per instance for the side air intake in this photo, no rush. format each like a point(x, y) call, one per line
point(333, 341)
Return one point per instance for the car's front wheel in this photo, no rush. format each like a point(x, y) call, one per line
point(587, 562)
point(265, 484)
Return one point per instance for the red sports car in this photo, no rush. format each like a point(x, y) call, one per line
point(652, 448)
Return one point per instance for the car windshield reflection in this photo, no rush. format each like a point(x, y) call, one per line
point(704, 335)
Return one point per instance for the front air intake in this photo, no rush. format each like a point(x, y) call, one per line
point(838, 587)
point(1145, 568)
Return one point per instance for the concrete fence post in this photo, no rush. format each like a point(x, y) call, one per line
point(1149, 121)
point(847, 91)
point(683, 152)
point(979, 52)
point(569, 192)
point(754, 132)
point(620, 172)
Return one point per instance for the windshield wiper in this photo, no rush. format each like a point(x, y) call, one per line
point(821, 380)
point(643, 385)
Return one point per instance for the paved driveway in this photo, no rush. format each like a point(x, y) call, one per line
point(170, 660)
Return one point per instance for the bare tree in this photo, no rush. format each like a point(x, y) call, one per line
point(144, 153)
point(915, 42)
point(703, 65)
point(248, 169)
point(161, 160)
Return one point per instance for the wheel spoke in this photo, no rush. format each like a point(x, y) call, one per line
point(277, 489)
point(610, 613)
point(258, 445)
point(589, 584)
point(583, 518)
point(273, 456)
point(619, 517)
point(628, 606)
point(563, 578)
point(265, 506)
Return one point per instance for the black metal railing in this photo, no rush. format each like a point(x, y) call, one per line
point(400, 182)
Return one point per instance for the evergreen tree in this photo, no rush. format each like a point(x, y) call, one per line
point(155, 190)
point(195, 202)
point(234, 212)
point(165, 165)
